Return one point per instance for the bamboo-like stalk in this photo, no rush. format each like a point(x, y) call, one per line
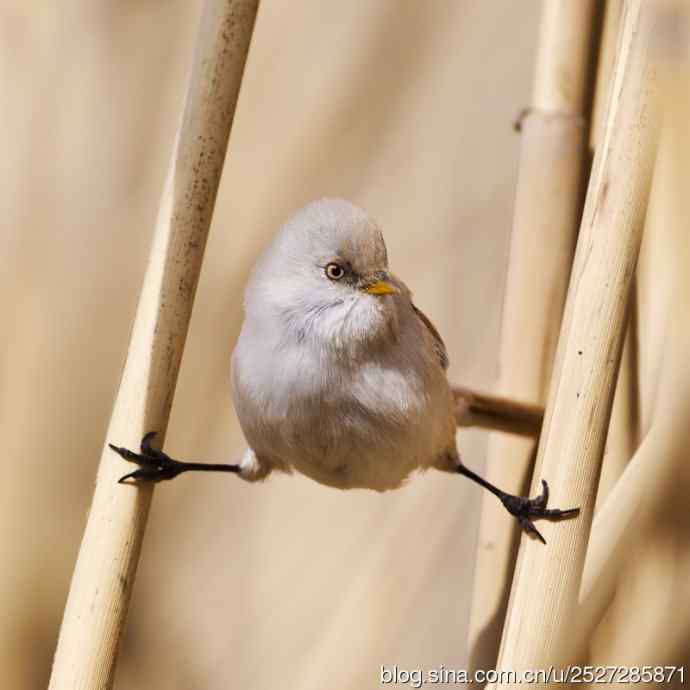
point(105, 569)
point(623, 432)
point(547, 580)
point(646, 493)
point(547, 208)
point(613, 10)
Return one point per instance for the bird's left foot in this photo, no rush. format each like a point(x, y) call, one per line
point(154, 464)
point(526, 508)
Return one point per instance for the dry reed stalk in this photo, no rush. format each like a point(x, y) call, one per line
point(105, 569)
point(547, 579)
point(606, 58)
point(623, 433)
point(475, 409)
point(553, 162)
point(618, 524)
point(644, 498)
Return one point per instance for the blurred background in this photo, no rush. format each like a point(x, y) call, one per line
point(402, 106)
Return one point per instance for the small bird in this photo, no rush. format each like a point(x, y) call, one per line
point(336, 373)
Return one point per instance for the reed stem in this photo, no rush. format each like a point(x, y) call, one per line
point(547, 580)
point(104, 574)
point(553, 162)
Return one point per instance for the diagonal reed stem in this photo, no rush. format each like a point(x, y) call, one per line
point(547, 580)
point(104, 574)
point(548, 204)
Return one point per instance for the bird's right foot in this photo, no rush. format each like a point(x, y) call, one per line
point(524, 509)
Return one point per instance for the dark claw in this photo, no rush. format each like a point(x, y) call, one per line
point(137, 474)
point(524, 509)
point(146, 447)
point(543, 498)
point(124, 453)
point(155, 465)
point(528, 528)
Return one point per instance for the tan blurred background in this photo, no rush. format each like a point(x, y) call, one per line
point(402, 106)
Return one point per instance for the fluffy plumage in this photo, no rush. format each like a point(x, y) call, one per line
point(336, 374)
point(345, 386)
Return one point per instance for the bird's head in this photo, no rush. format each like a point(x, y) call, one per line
point(325, 278)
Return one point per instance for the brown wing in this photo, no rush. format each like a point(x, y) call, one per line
point(439, 345)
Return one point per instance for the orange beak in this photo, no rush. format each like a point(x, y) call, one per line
point(380, 287)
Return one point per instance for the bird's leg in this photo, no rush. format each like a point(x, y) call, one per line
point(156, 466)
point(523, 508)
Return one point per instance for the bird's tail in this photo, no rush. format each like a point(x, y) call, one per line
point(497, 414)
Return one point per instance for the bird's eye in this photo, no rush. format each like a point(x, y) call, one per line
point(335, 271)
